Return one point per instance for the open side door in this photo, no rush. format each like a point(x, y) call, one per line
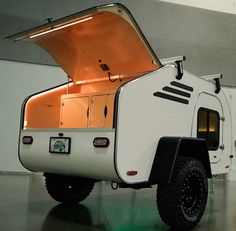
point(207, 124)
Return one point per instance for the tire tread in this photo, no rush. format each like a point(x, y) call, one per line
point(167, 195)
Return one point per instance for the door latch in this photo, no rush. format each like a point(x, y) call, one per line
point(222, 147)
point(222, 118)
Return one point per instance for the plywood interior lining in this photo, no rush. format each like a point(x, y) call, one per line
point(107, 42)
point(74, 106)
point(99, 52)
point(43, 110)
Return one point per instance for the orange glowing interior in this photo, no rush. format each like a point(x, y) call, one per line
point(91, 53)
point(107, 39)
point(73, 106)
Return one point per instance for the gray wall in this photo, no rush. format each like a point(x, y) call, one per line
point(207, 38)
point(19, 80)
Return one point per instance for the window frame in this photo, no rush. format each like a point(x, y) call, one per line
point(208, 123)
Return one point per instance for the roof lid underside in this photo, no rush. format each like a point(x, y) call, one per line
point(96, 45)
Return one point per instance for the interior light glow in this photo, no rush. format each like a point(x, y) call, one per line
point(98, 79)
point(60, 27)
point(65, 86)
point(205, 130)
point(112, 77)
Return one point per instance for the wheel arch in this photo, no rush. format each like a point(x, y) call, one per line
point(169, 148)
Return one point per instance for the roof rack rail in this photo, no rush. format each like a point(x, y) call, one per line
point(172, 60)
point(178, 61)
point(215, 77)
point(212, 77)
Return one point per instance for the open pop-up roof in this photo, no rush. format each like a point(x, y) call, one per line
point(95, 43)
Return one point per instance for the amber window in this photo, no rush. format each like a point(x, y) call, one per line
point(208, 127)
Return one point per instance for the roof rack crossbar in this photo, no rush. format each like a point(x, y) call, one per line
point(215, 77)
point(178, 62)
point(172, 60)
point(212, 77)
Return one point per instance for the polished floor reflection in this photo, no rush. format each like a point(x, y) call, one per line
point(25, 205)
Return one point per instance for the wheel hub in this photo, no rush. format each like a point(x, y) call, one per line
point(191, 193)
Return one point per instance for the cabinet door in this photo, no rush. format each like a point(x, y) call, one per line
point(97, 107)
point(74, 112)
point(109, 111)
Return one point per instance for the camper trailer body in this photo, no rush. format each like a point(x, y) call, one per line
point(124, 116)
point(141, 119)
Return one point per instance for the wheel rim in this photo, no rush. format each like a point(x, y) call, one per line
point(192, 193)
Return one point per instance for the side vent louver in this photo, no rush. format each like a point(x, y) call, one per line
point(177, 95)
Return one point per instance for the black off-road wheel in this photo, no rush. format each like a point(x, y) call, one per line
point(67, 189)
point(182, 202)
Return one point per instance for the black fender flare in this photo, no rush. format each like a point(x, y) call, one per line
point(169, 148)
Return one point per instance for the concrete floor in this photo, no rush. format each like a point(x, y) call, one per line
point(26, 206)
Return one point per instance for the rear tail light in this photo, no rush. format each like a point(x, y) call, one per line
point(132, 173)
point(101, 142)
point(27, 140)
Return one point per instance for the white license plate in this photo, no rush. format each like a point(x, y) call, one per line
point(60, 145)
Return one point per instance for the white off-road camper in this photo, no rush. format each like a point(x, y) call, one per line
point(124, 116)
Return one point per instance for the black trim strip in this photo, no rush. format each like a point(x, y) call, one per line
point(175, 91)
point(180, 85)
point(115, 121)
point(170, 97)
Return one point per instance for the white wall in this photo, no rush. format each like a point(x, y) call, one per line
point(227, 6)
point(231, 95)
point(19, 80)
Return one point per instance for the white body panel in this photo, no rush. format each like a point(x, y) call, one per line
point(143, 119)
point(84, 160)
